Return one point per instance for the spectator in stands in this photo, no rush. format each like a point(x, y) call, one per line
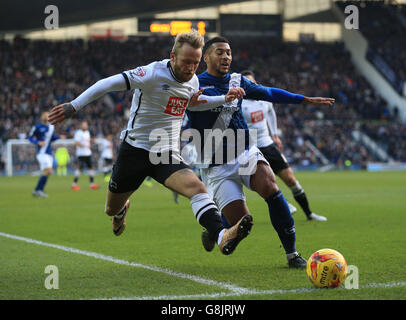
point(42, 73)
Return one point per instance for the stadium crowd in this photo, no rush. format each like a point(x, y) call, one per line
point(318, 69)
point(37, 75)
point(390, 136)
point(384, 25)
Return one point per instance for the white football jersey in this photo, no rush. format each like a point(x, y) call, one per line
point(83, 137)
point(158, 106)
point(107, 149)
point(260, 116)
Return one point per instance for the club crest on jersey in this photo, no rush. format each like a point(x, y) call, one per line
point(176, 106)
point(257, 116)
point(139, 72)
point(165, 87)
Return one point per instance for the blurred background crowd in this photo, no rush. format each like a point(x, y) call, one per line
point(37, 75)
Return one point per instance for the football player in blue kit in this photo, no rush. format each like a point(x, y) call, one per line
point(42, 135)
point(261, 116)
point(225, 178)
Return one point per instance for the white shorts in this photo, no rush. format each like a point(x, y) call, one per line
point(45, 161)
point(189, 154)
point(225, 182)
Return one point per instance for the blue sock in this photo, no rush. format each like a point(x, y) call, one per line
point(225, 222)
point(41, 183)
point(282, 221)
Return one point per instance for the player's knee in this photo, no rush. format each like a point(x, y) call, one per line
point(196, 187)
point(109, 210)
point(289, 179)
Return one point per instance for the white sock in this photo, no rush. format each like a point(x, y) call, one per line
point(296, 189)
point(220, 236)
point(201, 202)
point(291, 255)
point(77, 173)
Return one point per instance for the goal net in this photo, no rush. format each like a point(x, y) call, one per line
point(20, 156)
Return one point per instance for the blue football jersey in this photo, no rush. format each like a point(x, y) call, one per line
point(228, 117)
point(42, 132)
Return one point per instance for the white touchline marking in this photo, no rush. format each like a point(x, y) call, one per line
point(235, 290)
point(210, 282)
point(252, 292)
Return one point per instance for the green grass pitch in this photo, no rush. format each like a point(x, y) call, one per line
point(160, 254)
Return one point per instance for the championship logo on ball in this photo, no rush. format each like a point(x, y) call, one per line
point(327, 268)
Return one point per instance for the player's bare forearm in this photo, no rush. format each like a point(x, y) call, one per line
point(278, 142)
point(60, 113)
point(318, 101)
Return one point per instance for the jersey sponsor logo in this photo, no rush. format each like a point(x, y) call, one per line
point(139, 72)
point(257, 116)
point(176, 106)
point(225, 109)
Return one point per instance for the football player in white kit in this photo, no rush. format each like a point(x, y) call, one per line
point(260, 116)
point(84, 156)
point(107, 155)
point(163, 90)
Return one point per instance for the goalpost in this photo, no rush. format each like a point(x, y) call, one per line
point(21, 155)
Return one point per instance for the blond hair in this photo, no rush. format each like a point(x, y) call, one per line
point(193, 38)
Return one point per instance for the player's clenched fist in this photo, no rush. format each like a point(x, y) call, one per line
point(235, 93)
point(60, 113)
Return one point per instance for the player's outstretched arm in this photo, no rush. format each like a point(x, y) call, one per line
point(200, 102)
point(318, 101)
point(99, 89)
point(276, 95)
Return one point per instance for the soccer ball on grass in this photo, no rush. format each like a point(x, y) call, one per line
point(326, 268)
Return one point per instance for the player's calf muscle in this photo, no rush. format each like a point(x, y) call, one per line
point(109, 210)
point(287, 176)
point(115, 202)
point(234, 211)
point(112, 210)
point(264, 181)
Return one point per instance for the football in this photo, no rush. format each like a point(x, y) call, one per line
point(326, 268)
